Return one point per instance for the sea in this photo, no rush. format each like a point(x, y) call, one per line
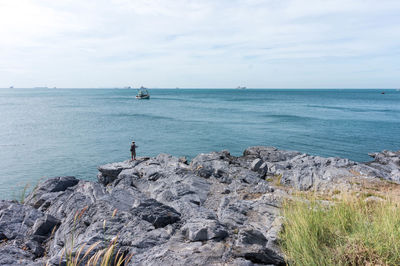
point(57, 132)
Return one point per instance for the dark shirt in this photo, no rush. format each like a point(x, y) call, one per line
point(133, 148)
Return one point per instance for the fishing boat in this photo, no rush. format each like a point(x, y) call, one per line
point(143, 94)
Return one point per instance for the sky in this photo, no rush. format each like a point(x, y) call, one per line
point(200, 43)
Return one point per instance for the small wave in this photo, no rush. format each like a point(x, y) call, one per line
point(249, 99)
point(147, 116)
point(12, 145)
point(8, 104)
point(71, 106)
point(183, 100)
point(216, 109)
point(352, 109)
point(290, 118)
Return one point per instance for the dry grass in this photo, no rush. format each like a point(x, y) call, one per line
point(276, 179)
point(348, 230)
point(93, 255)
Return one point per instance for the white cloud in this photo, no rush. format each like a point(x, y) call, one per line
point(199, 43)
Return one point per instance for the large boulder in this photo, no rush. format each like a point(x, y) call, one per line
point(204, 230)
point(252, 245)
point(386, 165)
point(24, 229)
point(47, 191)
point(156, 213)
point(109, 172)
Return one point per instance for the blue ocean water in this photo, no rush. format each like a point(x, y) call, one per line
point(55, 132)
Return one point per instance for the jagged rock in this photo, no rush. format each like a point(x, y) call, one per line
point(233, 212)
point(25, 228)
point(182, 253)
point(59, 184)
point(213, 164)
point(203, 230)
point(35, 247)
point(218, 210)
point(263, 169)
point(270, 154)
point(13, 255)
point(251, 245)
point(46, 191)
point(255, 165)
point(386, 165)
point(45, 225)
point(242, 262)
point(301, 171)
point(16, 219)
point(262, 187)
point(156, 213)
point(109, 172)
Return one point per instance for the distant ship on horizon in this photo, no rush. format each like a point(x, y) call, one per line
point(240, 87)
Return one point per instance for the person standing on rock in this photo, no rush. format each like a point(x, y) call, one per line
point(133, 151)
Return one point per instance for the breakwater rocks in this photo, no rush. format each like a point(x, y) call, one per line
point(216, 210)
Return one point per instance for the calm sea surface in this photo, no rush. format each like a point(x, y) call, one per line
point(55, 132)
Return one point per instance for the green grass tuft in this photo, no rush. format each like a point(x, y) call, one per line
point(23, 194)
point(351, 231)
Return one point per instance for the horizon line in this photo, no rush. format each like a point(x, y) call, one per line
point(207, 88)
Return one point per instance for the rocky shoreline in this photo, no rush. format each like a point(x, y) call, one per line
point(216, 210)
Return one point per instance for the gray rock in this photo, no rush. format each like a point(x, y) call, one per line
point(59, 184)
point(386, 165)
point(109, 172)
point(204, 230)
point(262, 187)
point(13, 255)
point(213, 164)
point(233, 212)
point(45, 191)
point(263, 169)
point(35, 247)
point(270, 154)
point(45, 225)
point(16, 219)
point(255, 165)
point(156, 213)
point(251, 245)
point(24, 229)
point(218, 210)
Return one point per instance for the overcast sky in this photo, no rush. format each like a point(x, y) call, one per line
point(200, 43)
